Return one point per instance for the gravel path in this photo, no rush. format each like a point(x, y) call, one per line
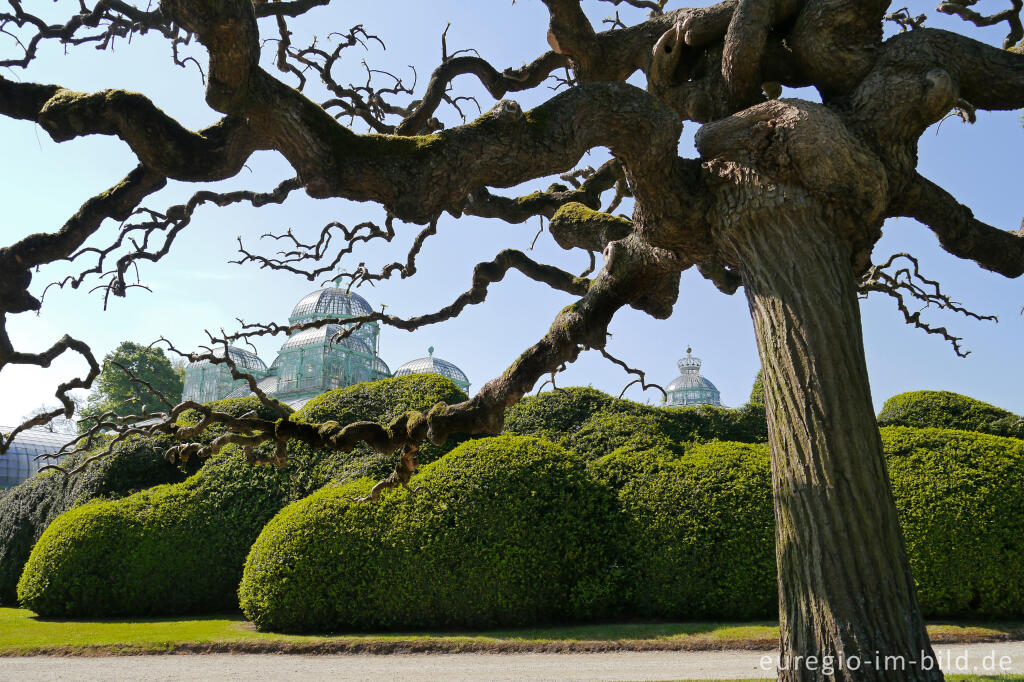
point(657, 665)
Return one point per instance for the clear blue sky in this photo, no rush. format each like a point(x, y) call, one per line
point(194, 288)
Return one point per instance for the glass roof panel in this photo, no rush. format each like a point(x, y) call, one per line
point(242, 358)
point(322, 336)
point(331, 302)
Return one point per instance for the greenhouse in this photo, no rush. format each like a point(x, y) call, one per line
point(312, 360)
point(432, 365)
point(206, 381)
point(690, 387)
point(23, 458)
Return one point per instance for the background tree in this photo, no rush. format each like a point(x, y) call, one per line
point(786, 199)
point(119, 389)
point(59, 424)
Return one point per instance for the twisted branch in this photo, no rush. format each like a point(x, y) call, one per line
point(908, 282)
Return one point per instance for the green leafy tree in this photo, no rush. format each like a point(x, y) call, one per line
point(757, 390)
point(116, 390)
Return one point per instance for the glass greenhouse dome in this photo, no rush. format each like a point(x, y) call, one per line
point(690, 388)
point(20, 461)
point(310, 361)
point(335, 302)
point(432, 365)
point(206, 381)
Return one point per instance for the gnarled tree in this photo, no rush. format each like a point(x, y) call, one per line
point(785, 200)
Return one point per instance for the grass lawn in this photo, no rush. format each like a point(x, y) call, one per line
point(22, 633)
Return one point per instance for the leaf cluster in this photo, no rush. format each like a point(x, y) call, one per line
point(947, 410)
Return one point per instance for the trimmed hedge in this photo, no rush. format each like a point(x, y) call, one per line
point(135, 464)
point(701, 525)
point(700, 530)
point(946, 410)
point(962, 511)
point(29, 508)
point(380, 401)
point(553, 414)
point(513, 533)
point(168, 550)
point(594, 424)
point(179, 549)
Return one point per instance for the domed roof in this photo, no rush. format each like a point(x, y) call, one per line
point(322, 336)
point(242, 358)
point(686, 381)
point(690, 376)
point(432, 365)
point(330, 302)
point(268, 386)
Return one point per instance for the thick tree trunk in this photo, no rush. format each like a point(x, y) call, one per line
point(847, 600)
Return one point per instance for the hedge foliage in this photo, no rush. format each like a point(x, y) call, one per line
point(701, 524)
point(380, 401)
point(960, 504)
point(180, 548)
point(646, 512)
point(134, 464)
point(513, 532)
point(27, 509)
point(700, 530)
point(593, 424)
point(946, 410)
point(167, 550)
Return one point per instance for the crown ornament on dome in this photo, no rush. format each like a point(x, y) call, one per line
point(690, 363)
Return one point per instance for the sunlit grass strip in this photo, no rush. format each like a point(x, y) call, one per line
point(22, 633)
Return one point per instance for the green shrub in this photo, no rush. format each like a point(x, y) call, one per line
point(209, 521)
point(701, 524)
point(701, 529)
point(27, 509)
point(593, 423)
point(134, 464)
point(606, 431)
point(962, 511)
point(623, 465)
point(946, 410)
point(556, 413)
point(513, 532)
point(702, 423)
point(167, 550)
point(380, 401)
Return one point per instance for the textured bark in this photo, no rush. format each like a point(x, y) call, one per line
point(794, 189)
point(845, 588)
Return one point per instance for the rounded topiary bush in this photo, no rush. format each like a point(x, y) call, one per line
point(946, 410)
point(701, 530)
point(626, 464)
point(29, 508)
point(556, 413)
point(512, 532)
point(701, 423)
point(167, 550)
point(134, 464)
point(962, 512)
point(606, 431)
point(380, 401)
point(198, 532)
point(593, 423)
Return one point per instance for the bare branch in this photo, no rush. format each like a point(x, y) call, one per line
point(1010, 15)
point(908, 282)
point(641, 377)
point(959, 232)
